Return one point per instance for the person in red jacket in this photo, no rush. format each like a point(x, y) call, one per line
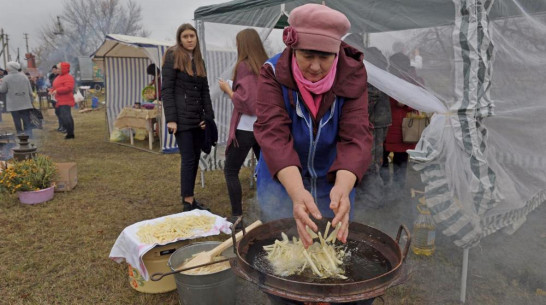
point(63, 90)
point(399, 65)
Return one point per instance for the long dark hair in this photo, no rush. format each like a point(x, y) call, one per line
point(182, 60)
point(250, 49)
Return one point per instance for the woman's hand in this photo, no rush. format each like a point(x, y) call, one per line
point(340, 202)
point(302, 200)
point(202, 125)
point(224, 86)
point(172, 127)
point(303, 205)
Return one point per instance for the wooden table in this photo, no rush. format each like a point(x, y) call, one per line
point(133, 118)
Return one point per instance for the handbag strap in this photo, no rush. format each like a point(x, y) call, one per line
point(416, 114)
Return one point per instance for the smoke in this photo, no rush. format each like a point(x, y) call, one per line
point(6, 152)
point(504, 269)
point(514, 262)
point(273, 201)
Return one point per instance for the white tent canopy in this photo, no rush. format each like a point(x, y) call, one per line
point(480, 66)
point(117, 45)
point(125, 60)
point(471, 51)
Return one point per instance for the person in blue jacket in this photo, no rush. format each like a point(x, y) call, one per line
point(312, 125)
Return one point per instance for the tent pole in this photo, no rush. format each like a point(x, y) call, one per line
point(200, 26)
point(106, 78)
point(157, 98)
point(282, 12)
point(464, 276)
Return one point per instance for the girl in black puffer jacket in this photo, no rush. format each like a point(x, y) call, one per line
point(186, 102)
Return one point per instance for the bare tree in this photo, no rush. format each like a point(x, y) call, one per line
point(82, 26)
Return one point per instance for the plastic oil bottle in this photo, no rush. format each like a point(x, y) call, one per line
point(424, 231)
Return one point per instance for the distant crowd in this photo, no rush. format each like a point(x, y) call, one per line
point(18, 91)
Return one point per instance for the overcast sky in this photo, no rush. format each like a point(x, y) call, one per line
point(160, 17)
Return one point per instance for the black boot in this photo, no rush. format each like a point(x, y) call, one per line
point(186, 206)
point(199, 206)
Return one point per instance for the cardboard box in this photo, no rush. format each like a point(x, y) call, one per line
point(67, 176)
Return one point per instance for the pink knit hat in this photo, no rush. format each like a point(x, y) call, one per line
point(316, 27)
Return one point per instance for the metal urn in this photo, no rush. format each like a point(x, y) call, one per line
point(25, 150)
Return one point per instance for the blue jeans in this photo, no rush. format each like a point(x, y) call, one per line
point(22, 116)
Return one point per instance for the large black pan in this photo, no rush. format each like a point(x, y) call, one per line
point(374, 265)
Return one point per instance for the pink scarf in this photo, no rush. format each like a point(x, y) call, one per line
point(312, 92)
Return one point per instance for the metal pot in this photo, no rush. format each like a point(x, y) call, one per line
point(375, 264)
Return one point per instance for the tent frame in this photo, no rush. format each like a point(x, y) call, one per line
point(142, 44)
point(205, 14)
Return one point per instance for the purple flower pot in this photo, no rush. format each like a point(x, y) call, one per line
point(34, 197)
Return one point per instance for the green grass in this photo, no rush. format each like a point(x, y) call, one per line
point(57, 252)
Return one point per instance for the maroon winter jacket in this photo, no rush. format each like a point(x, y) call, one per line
point(64, 84)
point(272, 129)
point(244, 98)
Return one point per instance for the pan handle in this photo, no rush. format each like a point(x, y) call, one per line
point(408, 241)
point(238, 220)
point(158, 275)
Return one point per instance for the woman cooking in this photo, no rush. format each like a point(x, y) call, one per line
point(312, 123)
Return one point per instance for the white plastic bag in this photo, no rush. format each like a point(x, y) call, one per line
point(78, 97)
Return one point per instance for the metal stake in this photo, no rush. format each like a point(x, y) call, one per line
point(464, 276)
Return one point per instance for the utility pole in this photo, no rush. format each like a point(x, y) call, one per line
point(60, 31)
point(26, 41)
point(3, 46)
point(6, 36)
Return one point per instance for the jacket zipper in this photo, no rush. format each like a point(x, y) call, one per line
point(313, 140)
